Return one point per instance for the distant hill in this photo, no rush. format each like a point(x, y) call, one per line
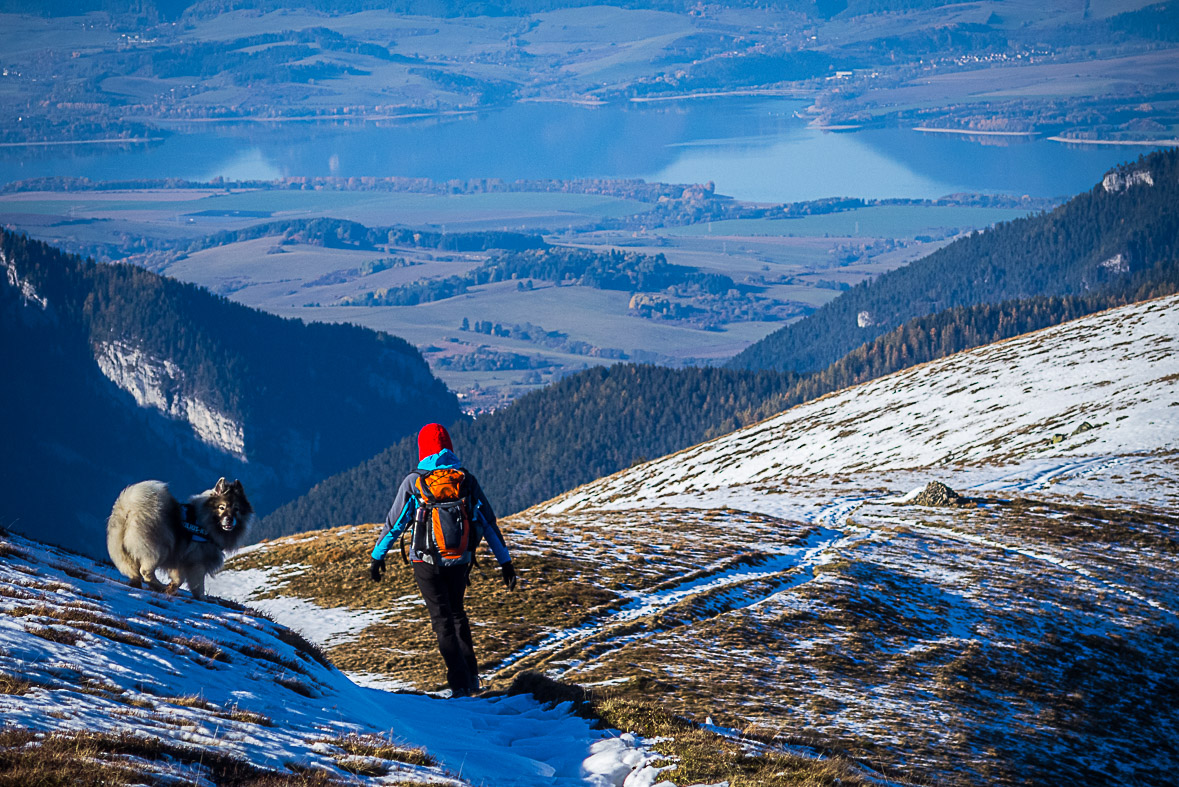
point(173, 9)
point(117, 374)
point(1114, 239)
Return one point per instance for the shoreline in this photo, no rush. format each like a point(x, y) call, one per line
point(972, 133)
point(578, 102)
point(1126, 142)
point(173, 122)
point(111, 141)
point(770, 92)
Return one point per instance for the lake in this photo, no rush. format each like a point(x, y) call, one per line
point(751, 148)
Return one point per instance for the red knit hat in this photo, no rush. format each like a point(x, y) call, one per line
point(432, 438)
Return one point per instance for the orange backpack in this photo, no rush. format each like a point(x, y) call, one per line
point(442, 525)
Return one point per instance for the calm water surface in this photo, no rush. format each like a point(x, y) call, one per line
point(753, 149)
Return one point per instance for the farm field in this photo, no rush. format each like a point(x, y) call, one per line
point(214, 210)
point(884, 221)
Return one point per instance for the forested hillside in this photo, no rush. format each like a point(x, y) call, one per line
point(583, 427)
point(128, 375)
point(607, 418)
point(1111, 240)
point(938, 335)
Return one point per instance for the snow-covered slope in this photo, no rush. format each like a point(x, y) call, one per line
point(782, 580)
point(81, 652)
point(1031, 398)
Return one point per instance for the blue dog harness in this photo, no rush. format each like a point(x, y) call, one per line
point(189, 523)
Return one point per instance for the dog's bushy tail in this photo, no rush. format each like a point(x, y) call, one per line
point(139, 534)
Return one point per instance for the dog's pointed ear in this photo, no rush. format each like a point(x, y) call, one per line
point(221, 487)
point(237, 484)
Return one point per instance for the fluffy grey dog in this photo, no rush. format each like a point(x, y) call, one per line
point(149, 529)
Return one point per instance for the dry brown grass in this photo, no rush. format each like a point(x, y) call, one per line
point(404, 647)
point(13, 685)
point(83, 619)
point(201, 646)
point(56, 634)
point(94, 759)
point(697, 755)
point(382, 748)
point(1058, 522)
point(912, 650)
point(565, 581)
point(295, 685)
point(270, 654)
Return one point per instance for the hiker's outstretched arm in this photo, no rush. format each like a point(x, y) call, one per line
point(491, 531)
point(399, 516)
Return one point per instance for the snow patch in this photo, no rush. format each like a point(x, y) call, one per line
point(324, 626)
point(1116, 264)
point(624, 761)
point(155, 383)
point(1025, 398)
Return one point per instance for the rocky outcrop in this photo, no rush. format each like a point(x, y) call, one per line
point(28, 293)
point(1120, 180)
point(158, 383)
point(1116, 264)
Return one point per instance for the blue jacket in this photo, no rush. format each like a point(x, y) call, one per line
point(404, 507)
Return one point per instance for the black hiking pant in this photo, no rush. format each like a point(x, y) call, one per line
point(442, 589)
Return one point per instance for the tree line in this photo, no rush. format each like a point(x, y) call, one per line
point(604, 270)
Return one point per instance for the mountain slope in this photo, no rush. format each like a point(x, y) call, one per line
point(780, 580)
point(216, 690)
point(1113, 239)
point(102, 684)
point(1117, 371)
point(127, 375)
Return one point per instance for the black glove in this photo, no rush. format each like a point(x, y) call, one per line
point(376, 568)
point(509, 575)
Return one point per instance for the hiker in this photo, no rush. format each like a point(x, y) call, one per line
point(447, 515)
